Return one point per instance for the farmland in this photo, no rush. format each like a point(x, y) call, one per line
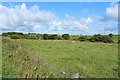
point(90, 60)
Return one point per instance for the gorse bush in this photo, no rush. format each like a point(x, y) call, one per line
point(82, 38)
point(13, 33)
point(118, 41)
point(14, 37)
point(107, 39)
point(110, 34)
point(101, 38)
point(45, 36)
point(94, 38)
point(53, 37)
point(66, 36)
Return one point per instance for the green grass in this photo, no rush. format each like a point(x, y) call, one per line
point(0, 57)
point(15, 66)
point(91, 60)
point(116, 38)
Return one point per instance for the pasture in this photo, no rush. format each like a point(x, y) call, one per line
point(90, 60)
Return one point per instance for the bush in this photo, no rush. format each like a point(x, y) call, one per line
point(66, 36)
point(96, 38)
point(107, 39)
point(82, 38)
point(59, 38)
point(53, 37)
point(118, 41)
point(110, 34)
point(101, 38)
point(14, 37)
point(45, 36)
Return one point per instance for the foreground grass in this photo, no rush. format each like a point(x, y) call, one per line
point(14, 65)
point(0, 56)
point(91, 60)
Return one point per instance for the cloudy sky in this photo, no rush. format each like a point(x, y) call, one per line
point(86, 18)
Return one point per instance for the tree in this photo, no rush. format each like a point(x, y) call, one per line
point(101, 38)
point(110, 34)
point(82, 38)
point(53, 37)
point(45, 36)
point(66, 36)
point(107, 39)
point(14, 37)
point(118, 41)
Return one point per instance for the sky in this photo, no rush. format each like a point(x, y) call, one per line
point(75, 18)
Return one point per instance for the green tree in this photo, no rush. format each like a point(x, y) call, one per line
point(110, 34)
point(14, 37)
point(45, 36)
point(107, 39)
point(101, 38)
point(82, 38)
point(66, 36)
point(53, 37)
point(118, 41)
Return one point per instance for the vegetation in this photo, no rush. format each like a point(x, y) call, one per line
point(91, 60)
point(66, 36)
point(31, 55)
point(118, 41)
point(95, 38)
point(82, 38)
point(18, 62)
point(101, 38)
point(45, 36)
point(110, 34)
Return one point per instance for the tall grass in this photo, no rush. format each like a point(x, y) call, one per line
point(91, 60)
point(0, 56)
point(17, 66)
point(48, 58)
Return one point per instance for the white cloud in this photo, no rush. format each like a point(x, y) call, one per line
point(70, 23)
point(111, 28)
point(56, 25)
point(111, 13)
point(86, 21)
point(20, 17)
point(36, 28)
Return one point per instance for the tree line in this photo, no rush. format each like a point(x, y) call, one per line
point(94, 38)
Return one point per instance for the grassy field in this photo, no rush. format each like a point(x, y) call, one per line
point(91, 60)
point(0, 57)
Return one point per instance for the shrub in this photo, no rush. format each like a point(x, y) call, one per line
point(118, 41)
point(75, 39)
point(53, 37)
point(66, 36)
point(45, 36)
point(82, 38)
point(59, 38)
point(14, 37)
point(107, 39)
point(110, 34)
point(101, 38)
point(96, 38)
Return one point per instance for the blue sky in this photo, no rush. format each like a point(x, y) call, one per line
point(75, 18)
